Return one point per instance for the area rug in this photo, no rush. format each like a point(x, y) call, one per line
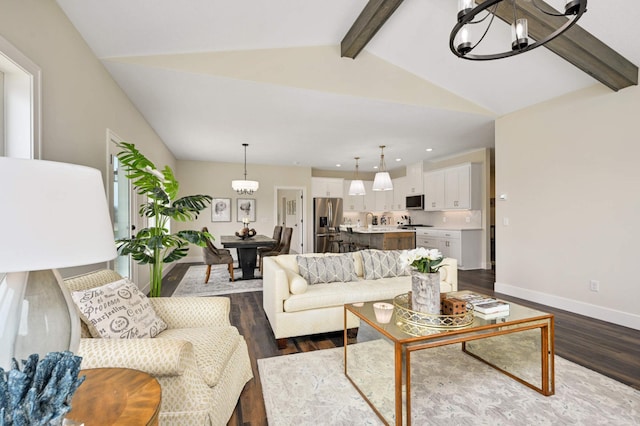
point(454, 389)
point(192, 284)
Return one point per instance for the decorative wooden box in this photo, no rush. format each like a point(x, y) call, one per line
point(453, 306)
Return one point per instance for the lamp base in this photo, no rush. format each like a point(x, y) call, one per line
point(37, 315)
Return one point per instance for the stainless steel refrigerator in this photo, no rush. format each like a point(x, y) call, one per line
point(327, 217)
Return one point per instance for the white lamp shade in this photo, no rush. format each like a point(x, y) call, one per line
point(52, 215)
point(245, 185)
point(382, 182)
point(357, 188)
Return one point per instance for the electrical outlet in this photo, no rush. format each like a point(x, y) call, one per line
point(594, 285)
point(444, 220)
point(467, 219)
point(505, 221)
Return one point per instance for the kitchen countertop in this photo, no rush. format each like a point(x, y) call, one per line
point(448, 228)
point(376, 229)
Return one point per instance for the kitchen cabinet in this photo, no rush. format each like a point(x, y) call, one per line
point(352, 203)
point(453, 188)
point(383, 200)
point(463, 245)
point(359, 203)
point(327, 187)
point(399, 194)
point(434, 190)
point(368, 200)
point(415, 176)
point(376, 201)
point(457, 187)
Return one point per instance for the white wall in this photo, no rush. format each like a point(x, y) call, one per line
point(570, 170)
point(79, 98)
point(200, 177)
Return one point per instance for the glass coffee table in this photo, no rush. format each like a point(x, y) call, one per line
point(518, 343)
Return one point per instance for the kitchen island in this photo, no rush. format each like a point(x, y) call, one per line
point(379, 237)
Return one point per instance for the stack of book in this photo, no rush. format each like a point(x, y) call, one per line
point(486, 306)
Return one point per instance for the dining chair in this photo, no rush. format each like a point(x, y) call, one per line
point(215, 256)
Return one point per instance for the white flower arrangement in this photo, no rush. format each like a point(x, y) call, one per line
point(424, 260)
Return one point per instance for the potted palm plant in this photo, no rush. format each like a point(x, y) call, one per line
point(154, 245)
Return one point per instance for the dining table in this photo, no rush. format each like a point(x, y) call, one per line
point(247, 251)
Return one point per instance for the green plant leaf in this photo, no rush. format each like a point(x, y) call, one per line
point(176, 254)
point(194, 237)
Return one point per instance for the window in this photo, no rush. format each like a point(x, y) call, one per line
point(20, 115)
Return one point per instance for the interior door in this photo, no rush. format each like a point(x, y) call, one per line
point(290, 214)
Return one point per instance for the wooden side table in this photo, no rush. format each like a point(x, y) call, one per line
point(116, 396)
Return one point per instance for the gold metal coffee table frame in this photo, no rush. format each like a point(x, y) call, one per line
point(520, 319)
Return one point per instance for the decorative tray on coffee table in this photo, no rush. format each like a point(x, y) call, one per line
point(418, 323)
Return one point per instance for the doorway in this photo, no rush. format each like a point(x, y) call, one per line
point(120, 205)
point(290, 214)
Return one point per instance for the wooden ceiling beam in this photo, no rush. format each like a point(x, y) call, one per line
point(370, 20)
point(576, 45)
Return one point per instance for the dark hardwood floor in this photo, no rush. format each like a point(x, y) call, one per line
point(600, 346)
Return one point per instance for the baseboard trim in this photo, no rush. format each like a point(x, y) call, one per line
point(625, 319)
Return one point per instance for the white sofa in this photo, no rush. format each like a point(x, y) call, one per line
point(296, 308)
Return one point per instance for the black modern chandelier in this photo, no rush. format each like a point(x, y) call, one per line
point(474, 23)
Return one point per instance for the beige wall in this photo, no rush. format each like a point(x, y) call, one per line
point(570, 170)
point(199, 177)
point(79, 98)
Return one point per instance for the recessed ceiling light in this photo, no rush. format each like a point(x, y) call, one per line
point(398, 159)
point(375, 167)
point(429, 149)
point(338, 165)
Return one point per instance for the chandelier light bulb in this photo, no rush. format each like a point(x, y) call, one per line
point(519, 34)
point(464, 6)
point(463, 45)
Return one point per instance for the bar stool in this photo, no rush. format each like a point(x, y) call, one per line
point(353, 246)
point(334, 243)
point(345, 245)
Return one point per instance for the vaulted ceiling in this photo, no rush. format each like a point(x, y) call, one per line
point(209, 75)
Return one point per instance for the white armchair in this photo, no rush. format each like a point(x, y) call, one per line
point(200, 360)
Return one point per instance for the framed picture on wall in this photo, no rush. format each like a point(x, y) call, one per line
point(221, 210)
point(246, 208)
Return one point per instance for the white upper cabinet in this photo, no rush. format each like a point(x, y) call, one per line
point(352, 203)
point(377, 201)
point(327, 187)
point(368, 200)
point(454, 188)
point(415, 176)
point(399, 194)
point(384, 200)
point(434, 190)
point(457, 184)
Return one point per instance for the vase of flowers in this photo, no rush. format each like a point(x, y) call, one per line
point(425, 278)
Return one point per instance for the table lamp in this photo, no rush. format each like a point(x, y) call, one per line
point(52, 215)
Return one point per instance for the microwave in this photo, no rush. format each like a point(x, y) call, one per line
point(415, 202)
